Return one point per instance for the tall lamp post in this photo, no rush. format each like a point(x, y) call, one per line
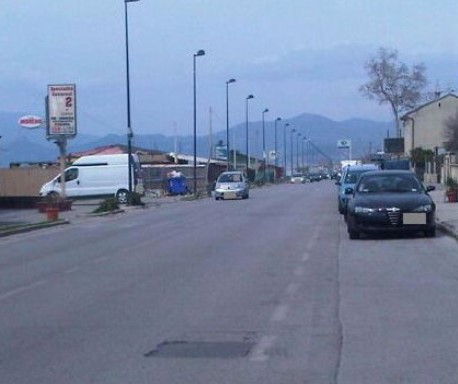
point(227, 121)
point(246, 133)
point(275, 147)
point(199, 53)
point(304, 140)
point(284, 149)
point(130, 133)
point(264, 155)
point(292, 154)
point(297, 150)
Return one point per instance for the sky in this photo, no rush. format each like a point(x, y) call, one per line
point(294, 56)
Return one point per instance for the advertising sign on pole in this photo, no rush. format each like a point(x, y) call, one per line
point(341, 144)
point(221, 152)
point(61, 110)
point(30, 121)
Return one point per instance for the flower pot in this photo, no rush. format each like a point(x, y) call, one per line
point(52, 213)
point(452, 195)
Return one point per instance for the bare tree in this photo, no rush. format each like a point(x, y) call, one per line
point(451, 133)
point(392, 82)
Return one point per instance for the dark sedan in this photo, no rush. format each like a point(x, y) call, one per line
point(390, 201)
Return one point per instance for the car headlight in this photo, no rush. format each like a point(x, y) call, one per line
point(424, 208)
point(364, 210)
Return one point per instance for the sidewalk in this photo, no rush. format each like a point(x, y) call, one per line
point(22, 220)
point(446, 213)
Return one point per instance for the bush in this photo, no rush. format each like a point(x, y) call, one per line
point(135, 199)
point(108, 205)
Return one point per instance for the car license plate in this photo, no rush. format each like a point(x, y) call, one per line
point(230, 195)
point(414, 218)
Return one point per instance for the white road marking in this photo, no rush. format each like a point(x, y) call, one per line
point(100, 260)
point(279, 313)
point(22, 289)
point(72, 270)
point(259, 352)
point(305, 257)
point(292, 288)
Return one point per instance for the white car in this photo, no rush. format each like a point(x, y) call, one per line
point(232, 185)
point(297, 179)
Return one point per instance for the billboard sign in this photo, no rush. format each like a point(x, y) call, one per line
point(394, 145)
point(30, 122)
point(61, 110)
point(341, 144)
point(221, 152)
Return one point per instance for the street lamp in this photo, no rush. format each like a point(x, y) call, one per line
point(284, 149)
point(130, 133)
point(199, 53)
point(264, 157)
point(297, 151)
point(292, 155)
point(227, 120)
point(304, 140)
point(246, 133)
point(275, 146)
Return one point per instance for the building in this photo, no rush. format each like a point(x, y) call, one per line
point(424, 126)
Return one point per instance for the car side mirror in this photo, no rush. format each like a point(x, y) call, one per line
point(430, 188)
point(349, 191)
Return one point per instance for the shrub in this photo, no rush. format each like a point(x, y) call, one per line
point(135, 199)
point(108, 205)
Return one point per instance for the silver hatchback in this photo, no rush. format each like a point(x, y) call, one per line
point(232, 185)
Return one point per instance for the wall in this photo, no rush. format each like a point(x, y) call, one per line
point(429, 125)
point(24, 181)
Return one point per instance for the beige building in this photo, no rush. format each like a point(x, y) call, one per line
point(424, 126)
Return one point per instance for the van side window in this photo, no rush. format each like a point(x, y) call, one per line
point(71, 174)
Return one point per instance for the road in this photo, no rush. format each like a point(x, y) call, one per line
point(265, 290)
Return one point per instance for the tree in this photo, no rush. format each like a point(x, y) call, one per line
point(421, 156)
point(392, 82)
point(451, 133)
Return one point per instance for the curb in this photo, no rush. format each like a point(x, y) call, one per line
point(31, 227)
point(447, 229)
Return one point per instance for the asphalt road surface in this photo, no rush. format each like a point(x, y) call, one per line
point(264, 290)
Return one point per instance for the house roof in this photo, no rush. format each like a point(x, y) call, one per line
point(113, 149)
point(403, 117)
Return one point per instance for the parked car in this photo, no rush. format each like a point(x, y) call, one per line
point(314, 177)
point(297, 179)
point(390, 201)
point(350, 175)
point(232, 185)
point(97, 176)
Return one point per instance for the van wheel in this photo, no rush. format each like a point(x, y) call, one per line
point(122, 196)
point(53, 195)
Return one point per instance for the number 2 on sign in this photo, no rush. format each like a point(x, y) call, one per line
point(68, 102)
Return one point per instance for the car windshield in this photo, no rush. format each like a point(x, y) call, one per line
point(352, 176)
point(389, 183)
point(230, 178)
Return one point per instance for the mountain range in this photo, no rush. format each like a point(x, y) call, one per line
point(19, 145)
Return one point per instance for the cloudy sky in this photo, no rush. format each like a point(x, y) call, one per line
point(294, 56)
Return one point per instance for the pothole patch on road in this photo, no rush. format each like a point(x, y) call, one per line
point(201, 349)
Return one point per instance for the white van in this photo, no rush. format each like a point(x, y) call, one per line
point(97, 176)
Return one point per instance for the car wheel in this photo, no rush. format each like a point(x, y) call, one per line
point(341, 210)
point(430, 232)
point(353, 234)
point(122, 196)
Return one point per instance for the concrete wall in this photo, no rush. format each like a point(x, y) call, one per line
point(24, 181)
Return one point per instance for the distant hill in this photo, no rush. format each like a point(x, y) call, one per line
point(20, 145)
